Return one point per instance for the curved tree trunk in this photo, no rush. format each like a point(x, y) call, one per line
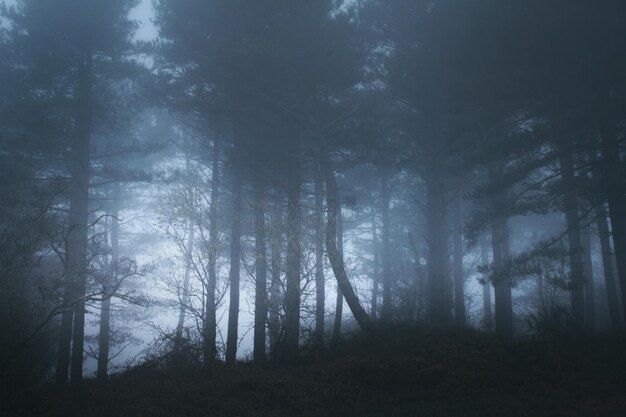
point(336, 260)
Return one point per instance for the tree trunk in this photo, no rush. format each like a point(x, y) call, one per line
point(275, 302)
point(339, 301)
point(336, 260)
point(105, 310)
point(590, 305)
point(502, 280)
point(232, 338)
point(375, 267)
point(210, 322)
point(386, 261)
point(320, 284)
point(292, 291)
point(185, 295)
point(613, 179)
point(439, 309)
point(459, 275)
point(608, 269)
point(76, 254)
point(260, 296)
point(487, 311)
point(570, 207)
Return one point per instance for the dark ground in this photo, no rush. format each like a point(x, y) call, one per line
point(405, 372)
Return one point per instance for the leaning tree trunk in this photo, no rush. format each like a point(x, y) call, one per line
point(459, 275)
point(610, 282)
point(320, 284)
point(292, 291)
point(232, 338)
point(375, 267)
point(336, 260)
point(386, 250)
point(260, 295)
point(210, 322)
point(339, 301)
point(570, 207)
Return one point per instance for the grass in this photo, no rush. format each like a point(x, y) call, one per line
point(405, 371)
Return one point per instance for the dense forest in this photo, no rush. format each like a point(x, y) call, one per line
point(328, 207)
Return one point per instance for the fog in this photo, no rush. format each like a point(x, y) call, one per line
point(392, 207)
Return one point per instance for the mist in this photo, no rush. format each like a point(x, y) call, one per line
point(330, 207)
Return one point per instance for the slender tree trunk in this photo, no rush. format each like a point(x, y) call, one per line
point(79, 213)
point(386, 258)
point(459, 274)
point(487, 311)
point(185, 295)
point(375, 267)
point(613, 179)
point(260, 296)
point(292, 291)
point(574, 238)
point(590, 305)
point(210, 322)
point(275, 302)
point(336, 259)
point(502, 280)
point(320, 284)
point(439, 309)
point(232, 339)
point(339, 301)
point(105, 310)
point(610, 282)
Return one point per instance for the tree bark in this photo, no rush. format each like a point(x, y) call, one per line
point(610, 282)
point(232, 338)
point(210, 322)
point(459, 275)
point(439, 308)
point(275, 302)
point(375, 267)
point(105, 310)
point(320, 284)
point(292, 291)
point(613, 179)
point(590, 305)
point(185, 295)
point(336, 260)
point(570, 207)
point(76, 253)
point(502, 280)
point(339, 300)
point(386, 259)
point(260, 296)
point(487, 311)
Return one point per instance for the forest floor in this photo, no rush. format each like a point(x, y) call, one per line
point(405, 372)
